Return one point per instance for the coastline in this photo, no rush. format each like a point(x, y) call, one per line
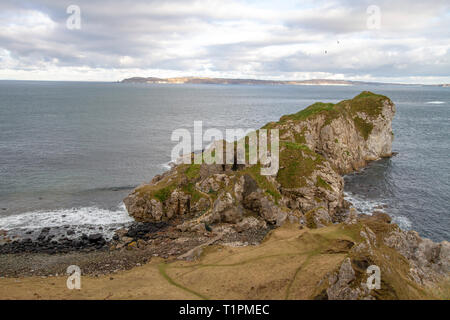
point(343, 233)
point(143, 242)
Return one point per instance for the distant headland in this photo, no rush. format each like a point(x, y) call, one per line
point(207, 80)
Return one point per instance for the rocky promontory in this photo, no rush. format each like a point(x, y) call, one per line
point(317, 146)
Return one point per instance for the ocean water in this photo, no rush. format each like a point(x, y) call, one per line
point(71, 151)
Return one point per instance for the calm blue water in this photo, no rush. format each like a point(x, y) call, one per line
point(70, 152)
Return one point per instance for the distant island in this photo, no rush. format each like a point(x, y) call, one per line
point(206, 80)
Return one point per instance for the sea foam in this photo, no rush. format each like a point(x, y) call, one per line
point(91, 216)
point(366, 206)
point(435, 102)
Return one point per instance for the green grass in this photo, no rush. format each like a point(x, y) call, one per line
point(297, 146)
point(296, 165)
point(263, 183)
point(190, 189)
point(274, 194)
point(322, 183)
point(300, 138)
point(162, 190)
point(318, 107)
point(364, 127)
point(367, 102)
point(163, 194)
point(193, 171)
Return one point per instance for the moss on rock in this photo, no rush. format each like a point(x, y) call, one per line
point(322, 183)
point(364, 127)
point(297, 163)
point(366, 102)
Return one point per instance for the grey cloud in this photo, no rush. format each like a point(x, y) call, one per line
point(173, 35)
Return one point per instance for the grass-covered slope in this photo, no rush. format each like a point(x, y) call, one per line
point(290, 264)
point(366, 103)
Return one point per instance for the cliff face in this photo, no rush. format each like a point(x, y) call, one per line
point(317, 144)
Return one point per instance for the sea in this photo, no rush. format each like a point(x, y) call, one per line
point(71, 151)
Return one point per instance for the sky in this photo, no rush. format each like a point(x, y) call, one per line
point(90, 40)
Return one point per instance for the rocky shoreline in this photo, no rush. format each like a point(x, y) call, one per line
point(130, 246)
point(52, 240)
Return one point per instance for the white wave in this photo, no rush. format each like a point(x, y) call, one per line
point(168, 165)
point(73, 217)
point(436, 102)
point(364, 205)
point(403, 222)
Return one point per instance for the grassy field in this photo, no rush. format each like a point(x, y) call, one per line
point(289, 264)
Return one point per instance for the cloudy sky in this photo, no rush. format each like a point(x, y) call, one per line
point(386, 40)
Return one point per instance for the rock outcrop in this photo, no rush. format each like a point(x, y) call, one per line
point(317, 145)
point(429, 261)
point(409, 265)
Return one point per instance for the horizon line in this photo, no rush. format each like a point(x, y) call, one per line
point(226, 78)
